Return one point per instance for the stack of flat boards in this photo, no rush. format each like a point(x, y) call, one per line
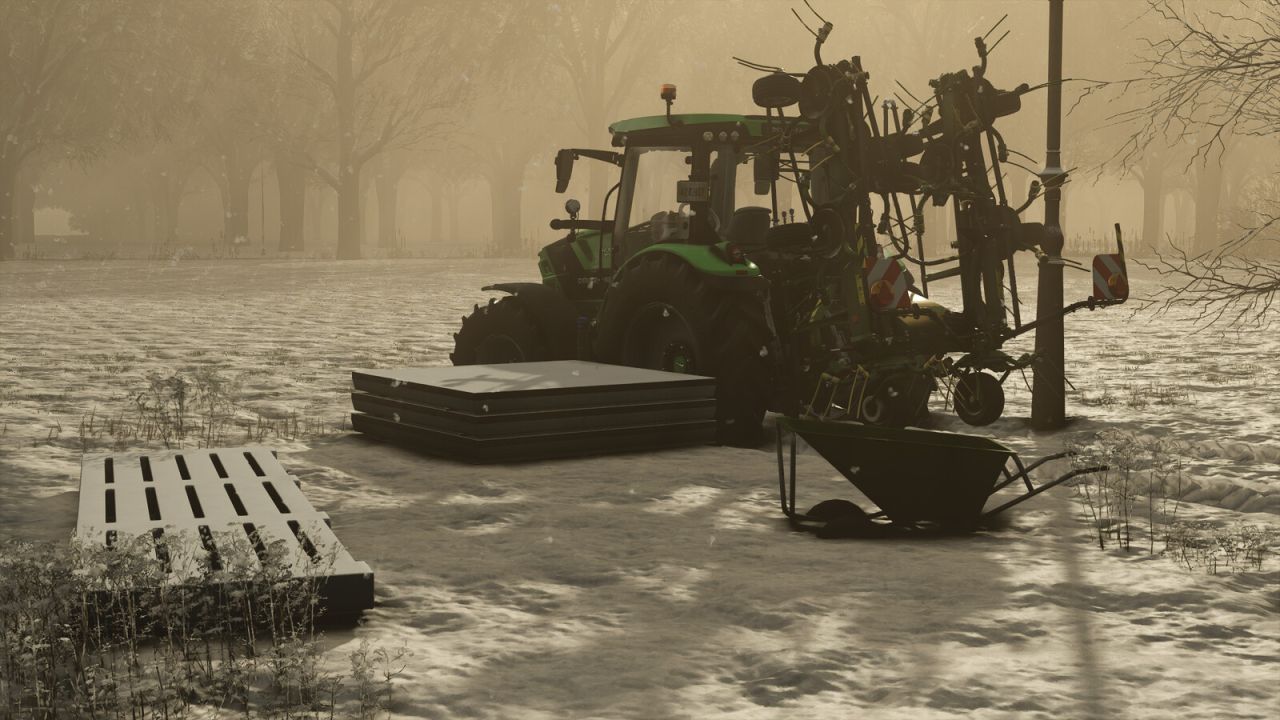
point(217, 514)
point(531, 411)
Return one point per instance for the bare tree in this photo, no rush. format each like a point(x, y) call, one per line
point(1213, 75)
point(70, 68)
point(387, 67)
point(233, 59)
point(600, 44)
point(1218, 69)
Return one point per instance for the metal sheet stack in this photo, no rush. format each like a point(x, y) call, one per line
point(530, 411)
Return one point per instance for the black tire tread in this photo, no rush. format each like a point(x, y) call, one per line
point(506, 315)
point(731, 325)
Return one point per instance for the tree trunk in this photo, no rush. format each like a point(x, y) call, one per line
point(937, 229)
point(236, 210)
point(1208, 199)
point(24, 215)
point(387, 185)
point(451, 205)
point(504, 201)
point(1184, 211)
point(144, 220)
point(8, 182)
point(291, 180)
point(348, 173)
point(435, 229)
point(348, 214)
point(167, 187)
point(598, 177)
point(1152, 213)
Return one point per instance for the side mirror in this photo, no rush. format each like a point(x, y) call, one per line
point(564, 168)
point(572, 207)
point(765, 171)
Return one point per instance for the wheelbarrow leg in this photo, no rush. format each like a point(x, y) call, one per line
point(787, 499)
point(782, 474)
point(792, 474)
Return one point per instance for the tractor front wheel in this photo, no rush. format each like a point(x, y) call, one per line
point(664, 315)
point(497, 333)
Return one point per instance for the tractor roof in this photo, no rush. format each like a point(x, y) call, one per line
point(656, 130)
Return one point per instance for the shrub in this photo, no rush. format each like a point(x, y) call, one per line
point(1235, 547)
point(1139, 470)
point(95, 632)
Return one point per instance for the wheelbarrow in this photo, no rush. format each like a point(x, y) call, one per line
point(915, 477)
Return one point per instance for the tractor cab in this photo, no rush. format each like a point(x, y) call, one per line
point(683, 180)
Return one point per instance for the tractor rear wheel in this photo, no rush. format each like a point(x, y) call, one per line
point(664, 315)
point(497, 333)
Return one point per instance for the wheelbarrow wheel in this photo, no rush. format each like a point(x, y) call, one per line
point(979, 398)
point(841, 517)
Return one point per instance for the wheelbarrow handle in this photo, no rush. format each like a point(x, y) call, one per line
point(1024, 471)
point(1046, 486)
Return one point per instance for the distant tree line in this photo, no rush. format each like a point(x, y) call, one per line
point(116, 109)
point(345, 96)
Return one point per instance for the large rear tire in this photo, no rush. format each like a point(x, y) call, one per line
point(664, 315)
point(497, 333)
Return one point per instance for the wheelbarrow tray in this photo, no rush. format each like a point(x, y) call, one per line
point(911, 474)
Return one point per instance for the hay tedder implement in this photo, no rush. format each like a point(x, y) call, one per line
point(819, 311)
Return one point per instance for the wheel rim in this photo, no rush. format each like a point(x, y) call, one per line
point(677, 357)
point(659, 337)
point(873, 409)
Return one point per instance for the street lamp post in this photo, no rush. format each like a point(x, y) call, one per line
point(1048, 392)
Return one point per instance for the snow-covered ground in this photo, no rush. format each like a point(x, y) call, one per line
point(667, 585)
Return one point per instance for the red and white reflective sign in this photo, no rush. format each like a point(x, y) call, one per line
point(1109, 279)
point(888, 283)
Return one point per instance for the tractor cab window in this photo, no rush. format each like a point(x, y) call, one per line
point(657, 172)
point(649, 193)
point(648, 205)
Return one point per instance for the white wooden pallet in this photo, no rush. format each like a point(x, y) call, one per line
point(214, 514)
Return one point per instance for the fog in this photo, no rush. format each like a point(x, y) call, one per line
point(382, 128)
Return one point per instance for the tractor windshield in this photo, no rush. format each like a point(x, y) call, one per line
point(649, 187)
point(656, 174)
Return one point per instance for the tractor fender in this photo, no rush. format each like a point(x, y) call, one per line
point(551, 310)
point(711, 262)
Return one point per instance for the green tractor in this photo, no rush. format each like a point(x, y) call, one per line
point(695, 266)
